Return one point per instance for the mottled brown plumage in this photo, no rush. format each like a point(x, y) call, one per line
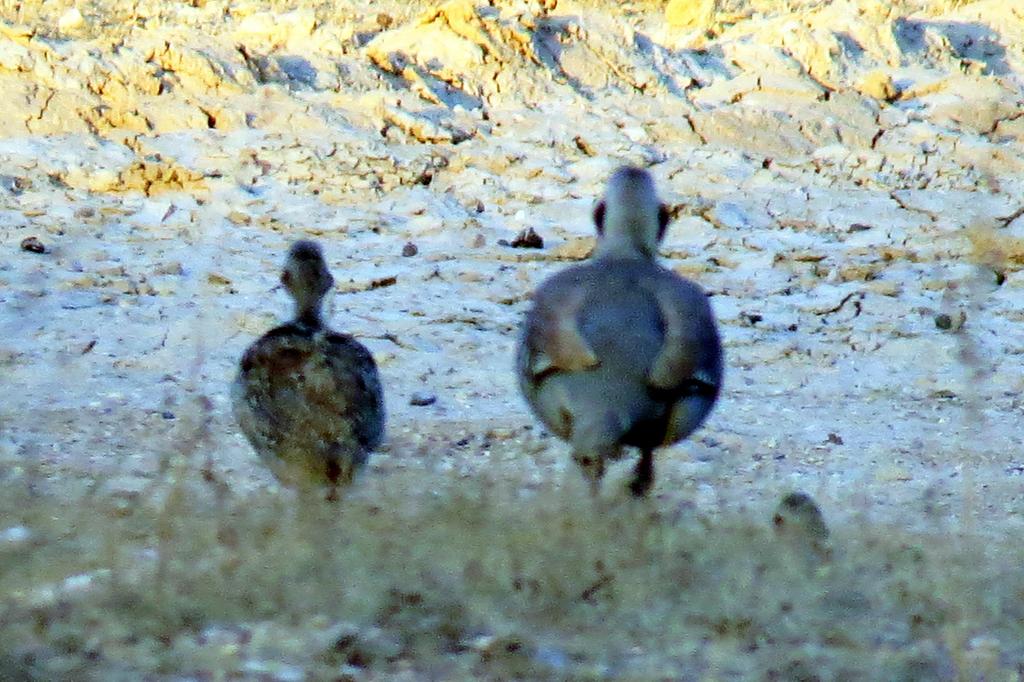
point(799, 523)
point(309, 399)
point(620, 351)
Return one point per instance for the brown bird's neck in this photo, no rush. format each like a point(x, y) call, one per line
point(309, 315)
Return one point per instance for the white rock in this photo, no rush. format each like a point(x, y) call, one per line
point(70, 21)
point(15, 536)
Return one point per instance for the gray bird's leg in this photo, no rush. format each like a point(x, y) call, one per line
point(593, 468)
point(595, 440)
point(643, 477)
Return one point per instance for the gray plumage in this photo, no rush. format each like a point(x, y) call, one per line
point(309, 399)
point(620, 351)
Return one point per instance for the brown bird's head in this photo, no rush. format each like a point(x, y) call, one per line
point(630, 219)
point(306, 278)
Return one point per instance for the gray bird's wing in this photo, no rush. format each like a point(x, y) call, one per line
point(552, 339)
point(691, 350)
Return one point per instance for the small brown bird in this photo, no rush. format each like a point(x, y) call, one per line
point(309, 399)
point(620, 351)
point(799, 522)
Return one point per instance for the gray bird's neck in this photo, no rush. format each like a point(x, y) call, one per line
point(623, 246)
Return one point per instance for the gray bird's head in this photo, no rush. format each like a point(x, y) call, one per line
point(306, 278)
point(630, 219)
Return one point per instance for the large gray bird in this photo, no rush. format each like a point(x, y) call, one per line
point(620, 351)
point(309, 399)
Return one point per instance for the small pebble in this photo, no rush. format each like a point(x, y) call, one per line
point(239, 218)
point(584, 146)
point(218, 279)
point(750, 319)
point(14, 184)
point(410, 249)
point(953, 322)
point(527, 239)
point(422, 398)
point(33, 245)
point(169, 268)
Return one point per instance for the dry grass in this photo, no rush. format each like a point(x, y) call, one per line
point(444, 578)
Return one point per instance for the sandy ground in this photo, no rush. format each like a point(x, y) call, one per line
point(847, 182)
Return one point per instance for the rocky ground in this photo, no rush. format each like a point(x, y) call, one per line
point(846, 181)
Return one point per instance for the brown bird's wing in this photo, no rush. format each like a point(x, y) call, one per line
point(356, 378)
point(263, 382)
